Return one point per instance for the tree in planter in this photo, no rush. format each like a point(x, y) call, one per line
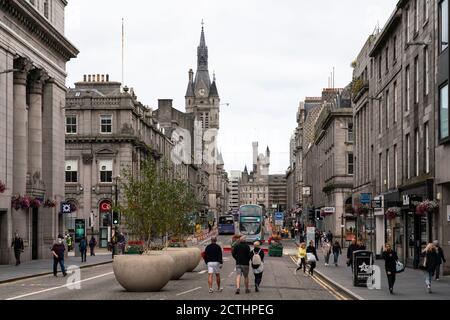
point(157, 203)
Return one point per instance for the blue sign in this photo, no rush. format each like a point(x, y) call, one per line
point(279, 216)
point(366, 198)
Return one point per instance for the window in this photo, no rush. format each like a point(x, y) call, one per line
point(408, 88)
point(350, 132)
point(106, 124)
point(416, 80)
point(388, 170)
point(443, 112)
point(380, 163)
point(408, 34)
point(387, 59)
point(379, 116)
point(379, 67)
point(426, 10)
point(388, 109)
point(350, 164)
point(71, 124)
point(394, 53)
point(416, 17)
point(106, 171)
point(46, 9)
point(427, 148)
point(443, 24)
point(395, 167)
point(427, 70)
point(416, 160)
point(408, 157)
point(71, 171)
point(394, 103)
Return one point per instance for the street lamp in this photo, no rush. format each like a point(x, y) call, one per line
point(116, 196)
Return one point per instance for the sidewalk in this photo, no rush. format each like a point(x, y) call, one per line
point(35, 268)
point(410, 285)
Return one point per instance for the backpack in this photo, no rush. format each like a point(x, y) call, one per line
point(256, 260)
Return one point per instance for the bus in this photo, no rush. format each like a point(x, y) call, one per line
point(251, 223)
point(226, 224)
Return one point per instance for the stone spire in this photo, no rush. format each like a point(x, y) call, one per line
point(202, 80)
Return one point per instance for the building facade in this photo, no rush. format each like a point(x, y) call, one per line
point(33, 57)
point(233, 185)
point(108, 131)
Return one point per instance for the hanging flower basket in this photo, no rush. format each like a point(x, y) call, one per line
point(25, 202)
point(2, 187)
point(392, 213)
point(16, 202)
point(298, 211)
point(362, 210)
point(426, 206)
point(49, 204)
point(35, 203)
point(349, 209)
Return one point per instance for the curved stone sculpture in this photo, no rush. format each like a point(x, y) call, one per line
point(143, 273)
point(182, 260)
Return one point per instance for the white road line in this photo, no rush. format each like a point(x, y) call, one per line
point(60, 287)
point(188, 291)
point(202, 272)
point(231, 274)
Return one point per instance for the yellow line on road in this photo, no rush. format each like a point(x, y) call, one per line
point(330, 290)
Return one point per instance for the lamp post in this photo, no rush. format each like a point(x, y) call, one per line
point(116, 196)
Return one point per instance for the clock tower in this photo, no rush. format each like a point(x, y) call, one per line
point(202, 97)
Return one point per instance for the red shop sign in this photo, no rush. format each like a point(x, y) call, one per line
point(105, 206)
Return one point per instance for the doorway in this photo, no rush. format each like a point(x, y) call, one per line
point(34, 234)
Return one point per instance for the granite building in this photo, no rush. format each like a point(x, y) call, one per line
point(33, 57)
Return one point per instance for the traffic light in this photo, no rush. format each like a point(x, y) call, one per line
point(116, 217)
point(318, 216)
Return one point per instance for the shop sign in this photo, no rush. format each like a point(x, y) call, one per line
point(329, 210)
point(365, 198)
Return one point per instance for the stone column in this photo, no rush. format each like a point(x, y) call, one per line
point(20, 144)
point(36, 80)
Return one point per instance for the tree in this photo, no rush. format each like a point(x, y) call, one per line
point(157, 202)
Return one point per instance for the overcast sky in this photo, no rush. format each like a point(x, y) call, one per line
point(267, 55)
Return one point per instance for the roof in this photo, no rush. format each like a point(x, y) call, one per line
point(213, 90)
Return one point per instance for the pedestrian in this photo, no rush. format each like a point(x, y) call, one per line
point(58, 250)
point(214, 261)
point(390, 257)
point(257, 258)
point(326, 250)
point(337, 250)
point(311, 257)
point(83, 249)
point(235, 241)
point(17, 244)
point(69, 242)
point(430, 255)
point(317, 238)
point(241, 253)
point(361, 245)
point(330, 236)
point(122, 241)
point(92, 244)
point(301, 262)
point(440, 260)
point(209, 227)
point(352, 248)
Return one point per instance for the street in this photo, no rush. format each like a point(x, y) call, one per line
point(98, 283)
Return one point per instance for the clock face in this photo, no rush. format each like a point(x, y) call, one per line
point(202, 92)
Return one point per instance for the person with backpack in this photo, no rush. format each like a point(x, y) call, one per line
point(83, 249)
point(311, 257)
point(257, 255)
point(92, 244)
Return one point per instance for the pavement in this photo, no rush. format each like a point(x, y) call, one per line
point(98, 283)
point(36, 268)
point(409, 285)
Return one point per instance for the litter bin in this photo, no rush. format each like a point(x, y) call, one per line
point(362, 262)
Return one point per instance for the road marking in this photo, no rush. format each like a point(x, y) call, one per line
point(230, 274)
point(202, 272)
point(324, 285)
point(189, 291)
point(60, 287)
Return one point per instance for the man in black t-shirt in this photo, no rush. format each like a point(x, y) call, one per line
point(242, 254)
point(214, 261)
point(58, 250)
point(17, 244)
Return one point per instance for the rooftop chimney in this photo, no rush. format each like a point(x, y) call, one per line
point(84, 78)
point(89, 78)
point(103, 78)
point(107, 78)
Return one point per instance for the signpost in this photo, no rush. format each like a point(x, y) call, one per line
point(80, 232)
point(366, 198)
point(279, 219)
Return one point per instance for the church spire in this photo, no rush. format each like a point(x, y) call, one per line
point(202, 52)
